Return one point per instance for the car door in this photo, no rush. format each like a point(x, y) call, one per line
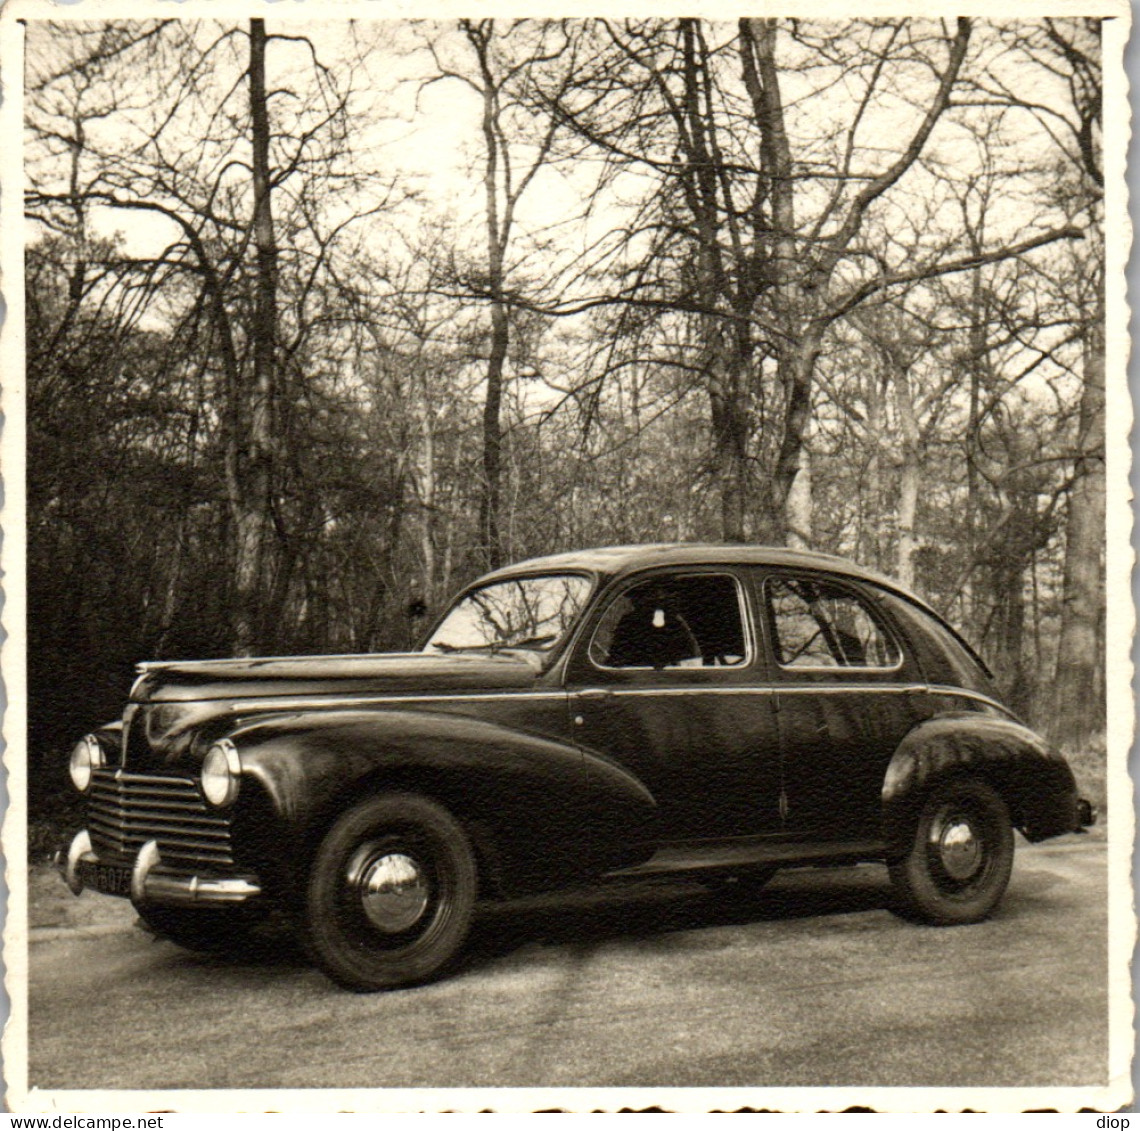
point(665, 681)
point(847, 693)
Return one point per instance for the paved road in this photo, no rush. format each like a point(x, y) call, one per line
point(813, 981)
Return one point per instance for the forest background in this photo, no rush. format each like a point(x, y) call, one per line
point(322, 322)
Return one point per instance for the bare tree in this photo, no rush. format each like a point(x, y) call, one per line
point(218, 208)
point(1068, 52)
point(784, 231)
point(503, 62)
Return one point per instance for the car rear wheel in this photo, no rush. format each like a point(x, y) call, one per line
point(391, 893)
point(209, 930)
point(960, 857)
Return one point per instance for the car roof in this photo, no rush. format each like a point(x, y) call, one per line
point(616, 560)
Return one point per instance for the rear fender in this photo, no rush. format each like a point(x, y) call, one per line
point(1032, 778)
point(539, 811)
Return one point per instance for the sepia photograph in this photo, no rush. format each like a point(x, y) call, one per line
point(566, 560)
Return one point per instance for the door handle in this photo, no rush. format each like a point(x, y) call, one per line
point(595, 694)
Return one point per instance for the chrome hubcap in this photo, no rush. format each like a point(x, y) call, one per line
point(393, 889)
point(959, 849)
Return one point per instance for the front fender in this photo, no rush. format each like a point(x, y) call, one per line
point(540, 811)
point(1032, 778)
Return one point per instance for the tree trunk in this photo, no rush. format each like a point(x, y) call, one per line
point(796, 366)
point(253, 517)
point(490, 521)
point(427, 499)
point(908, 505)
point(1008, 579)
point(730, 469)
point(490, 524)
point(799, 505)
point(731, 425)
point(777, 254)
point(869, 540)
point(978, 349)
point(909, 474)
point(1080, 713)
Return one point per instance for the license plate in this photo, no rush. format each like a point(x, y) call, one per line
point(108, 879)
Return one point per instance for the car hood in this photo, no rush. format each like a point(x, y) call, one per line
point(197, 680)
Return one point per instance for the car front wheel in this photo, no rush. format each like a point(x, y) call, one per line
point(960, 857)
point(391, 893)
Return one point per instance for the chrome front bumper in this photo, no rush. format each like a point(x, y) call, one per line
point(149, 884)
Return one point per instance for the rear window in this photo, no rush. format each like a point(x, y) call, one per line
point(817, 624)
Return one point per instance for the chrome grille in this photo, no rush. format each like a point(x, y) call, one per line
point(125, 810)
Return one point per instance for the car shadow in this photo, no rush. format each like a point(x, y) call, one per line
point(650, 909)
point(272, 943)
point(633, 909)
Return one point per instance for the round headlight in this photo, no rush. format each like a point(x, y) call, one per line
point(221, 774)
point(87, 756)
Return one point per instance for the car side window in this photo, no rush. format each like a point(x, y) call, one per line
point(673, 622)
point(820, 625)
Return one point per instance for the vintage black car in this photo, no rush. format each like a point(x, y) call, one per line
point(635, 709)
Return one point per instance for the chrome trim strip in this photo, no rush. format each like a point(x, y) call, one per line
point(165, 782)
point(290, 704)
point(770, 689)
point(285, 703)
point(848, 688)
point(966, 693)
point(819, 689)
point(695, 689)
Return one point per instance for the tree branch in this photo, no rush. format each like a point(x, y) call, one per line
point(966, 263)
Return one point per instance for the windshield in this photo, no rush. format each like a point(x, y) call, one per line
point(524, 612)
